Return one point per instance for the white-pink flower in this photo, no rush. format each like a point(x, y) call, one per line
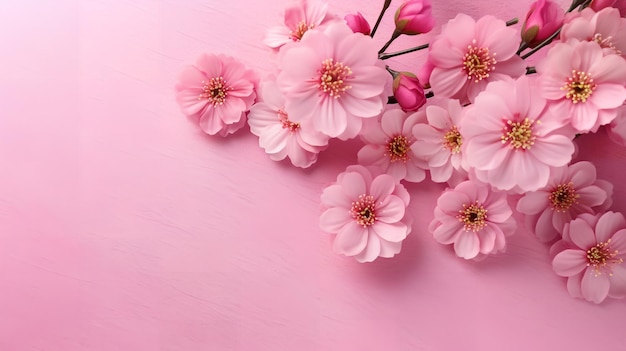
point(335, 78)
point(216, 92)
point(474, 218)
point(389, 145)
point(367, 212)
point(468, 54)
point(593, 258)
point(278, 135)
point(509, 140)
point(605, 27)
point(571, 191)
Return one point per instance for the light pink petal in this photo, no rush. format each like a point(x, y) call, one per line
point(210, 122)
point(414, 173)
point(569, 262)
point(574, 285)
point(582, 173)
point(559, 219)
point(391, 209)
point(369, 107)
point(438, 117)
point(487, 240)
point(372, 249)
point(334, 196)
point(351, 239)
point(330, 118)
point(609, 69)
point(447, 232)
point(451, 202)
point(485, 153)
point(582, 234)
point(424, 132)
point(607, 95)
point(441, 174)
point(333, 219)
point(359, 51)
point(460, 31)
point(394, 232)
point(595, 288)
point(493, 34)
point(533, 202)
point(277, 36)
point(273, 139)
point(353, 185)
point(467, 245)
point(499, 210)
point(392, 122)
point(381, 187)
point(368, 81)
point(591, 195)
point(608, 224)
point(397, 170)
point(212, 65)
point(544, 228)
point(299, 156)
point(389, 249)
point(618, 282)
point(293, 15)
point(554, 150)
point(618, 242)
point(447, 82)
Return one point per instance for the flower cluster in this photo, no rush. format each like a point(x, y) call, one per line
point(501, 135)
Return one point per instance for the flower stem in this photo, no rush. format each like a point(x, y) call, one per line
point(394, 36)
point(543, 43)
point(384, 56)
point(531, 70)
point(512, 22)
point(380, 17)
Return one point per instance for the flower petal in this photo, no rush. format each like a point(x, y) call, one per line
point(333, 219)
point(569, 262)
point(394, 232)
point(351, 239)
point(595, 288)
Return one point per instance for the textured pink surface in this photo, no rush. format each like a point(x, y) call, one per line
point(123, 227)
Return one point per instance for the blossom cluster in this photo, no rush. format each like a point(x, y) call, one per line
point(501, 134)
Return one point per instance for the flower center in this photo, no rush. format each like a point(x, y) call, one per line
point(579, 86)
point(452, 140)
point(478, 62)
point(301, 28)
point(287, 124)
point(364, 210)
point(563, 197)
point(215, 90)
point(333, 77)
point(473, 216)
point(398, 149)
point(606, 43)
point(519, 135)
point(600, 257)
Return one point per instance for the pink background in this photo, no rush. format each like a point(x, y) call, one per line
point(123, 227)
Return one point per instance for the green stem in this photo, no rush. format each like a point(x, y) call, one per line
point(380, 17)
point(384, 56)
point(543, 43)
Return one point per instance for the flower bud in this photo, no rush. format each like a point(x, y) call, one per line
point(543, 19)
point(414, 17)
point(358, 23)
point(408, 91)
point(598, 5)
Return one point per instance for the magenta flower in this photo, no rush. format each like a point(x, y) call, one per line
point(299, 19)
point(617, 128)
point(216, 92)
point(543, 19)
point(605, 28)
point(598, 5)
point(468, 54)
point(281, 137)
point(571, 191)
point(509, 140)
point(389, 146)
point(474, 218)
point(367, 212)
point(414, 17)
point(335, 78)
point(358, 23)
point(582, 85)
point(408, 91)
point(595, 248)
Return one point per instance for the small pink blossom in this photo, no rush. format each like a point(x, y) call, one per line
point(358, 23)
point(281, 137)
point(414, 17)
point(598, 5)
point(389, 146)
point(216, 92)
point(468, 54)
point(606, 28)
point(544, 18)
point(592, 256)
point(474, 218)
point(617, 128)
point(408, 91)
point(367, 212)
point(571, 191)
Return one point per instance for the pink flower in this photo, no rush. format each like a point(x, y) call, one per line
point(358, 23)
point(389, 145)
point(408, 91)
point(468, 54)
point(439, 142)
point(424, 72)
point(543, 19)
point(335, 78)
point(299, 19)
point(598, 5)
point(414, 17)
point(571, 191)
point(509, 140)
point(367, 212)
point(281, 137)
point(216, 92)
point(582, 85)
point(474, 218)
point(605, 28)
point(617, 128)
point(595, 248)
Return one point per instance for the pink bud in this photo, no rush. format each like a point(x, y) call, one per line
point(543, 19)
point(358, 23)
point(408, 91)
point(598, 5)
point(414, 17)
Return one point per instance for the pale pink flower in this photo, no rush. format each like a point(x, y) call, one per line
point(571, 191)
point(216, 92)
point(335, 78)
point(617, 128)
point(605, 27)
point(509, 140)
point(593, 256)
point(582, 85)
point(299, 19)
point(367, 212)
point(389, 145)
point(474, 218)
point(439, 142)
point(279, 136)
point(468, 54)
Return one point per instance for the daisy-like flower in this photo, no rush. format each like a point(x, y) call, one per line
point(468, 54)
point(593, 258)
point(474, 218)
point(299, 19)
point(509, 140)
point(335, 78)
point(571, 191)
point(389, 145)
point(582, 85)
point(216, 92)
point(279, 136)
point(604, 27)
point(367, 212)
point(439, 142)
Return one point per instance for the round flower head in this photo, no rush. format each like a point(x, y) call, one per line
point(474, 218)
point(216, 92)
point(593, 258)
point(605, 27)
point(367, 212)
point(335, 78)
